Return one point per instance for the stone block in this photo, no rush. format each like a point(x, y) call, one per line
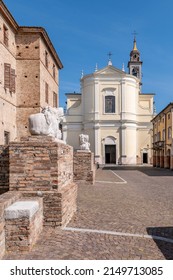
point(21, 209)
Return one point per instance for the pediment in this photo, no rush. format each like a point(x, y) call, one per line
point(109, 71)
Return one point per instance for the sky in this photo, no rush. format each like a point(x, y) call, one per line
point(84, 32)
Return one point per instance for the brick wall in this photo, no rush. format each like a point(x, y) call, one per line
point(84, 168)
point(5, 200)
point(32, 74)
point(58, 206)
point(4, 169)
point(40, 163)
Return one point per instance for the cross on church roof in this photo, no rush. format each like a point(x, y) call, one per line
point(109, 62)
point(109, 54)
point(134, 33)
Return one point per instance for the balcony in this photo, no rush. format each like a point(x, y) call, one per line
point(159, 145)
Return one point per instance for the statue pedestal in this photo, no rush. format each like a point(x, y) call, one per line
point(84, 168)
point(41, 166)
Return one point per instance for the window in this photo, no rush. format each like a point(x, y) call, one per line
point(169, 132)
point(158, 136)
point(55, 100)
point(46, 93)
point(54, 71)
point(135, 71)
point(6, 137)
point(46, 59)
point(5, 30)
point(169, 116)
point(163, 135)
point(9, 77)
point(109, 104)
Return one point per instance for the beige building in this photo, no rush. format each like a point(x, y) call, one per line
point(28, 75)
point(114, 113)
point(163, 138)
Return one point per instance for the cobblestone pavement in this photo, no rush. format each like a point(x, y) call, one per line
point(126, 214)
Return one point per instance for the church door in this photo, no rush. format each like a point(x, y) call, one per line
point(145, 157)
point(110, 154)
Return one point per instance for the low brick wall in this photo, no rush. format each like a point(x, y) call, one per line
point(84, 167)
point(5, 200)
point(4, 169)
point(23, 228)
point(58, 206)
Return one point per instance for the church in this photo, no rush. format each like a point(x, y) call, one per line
point(113, 111)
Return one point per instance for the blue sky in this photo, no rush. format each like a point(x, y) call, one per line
point(83, 32)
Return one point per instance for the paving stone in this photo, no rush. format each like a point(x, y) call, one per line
point(142, 206)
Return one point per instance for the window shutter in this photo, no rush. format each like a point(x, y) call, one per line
point(46, 93)
point(7, 74)
point(12, 81)
point(5, 29)
point(55, 99)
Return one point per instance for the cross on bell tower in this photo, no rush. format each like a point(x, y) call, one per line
point(135, 64)
point(134, 33)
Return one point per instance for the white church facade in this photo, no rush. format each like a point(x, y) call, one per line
point(114, 113)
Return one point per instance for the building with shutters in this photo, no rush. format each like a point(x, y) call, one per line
point(29, 75)
point(114, 112)
point(163, 138)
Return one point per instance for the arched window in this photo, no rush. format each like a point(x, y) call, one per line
point(135, 72)
point(110, 104)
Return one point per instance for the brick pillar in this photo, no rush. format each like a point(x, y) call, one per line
point(84, 168)
point(23, 224)
point(6, 199)
point(39, 165)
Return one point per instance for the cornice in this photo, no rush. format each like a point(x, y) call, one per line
point(8, 16)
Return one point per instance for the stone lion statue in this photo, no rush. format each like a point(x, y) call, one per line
point(47, 122)
point(84, 142)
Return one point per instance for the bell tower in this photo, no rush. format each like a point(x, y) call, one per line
point(135, 64)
